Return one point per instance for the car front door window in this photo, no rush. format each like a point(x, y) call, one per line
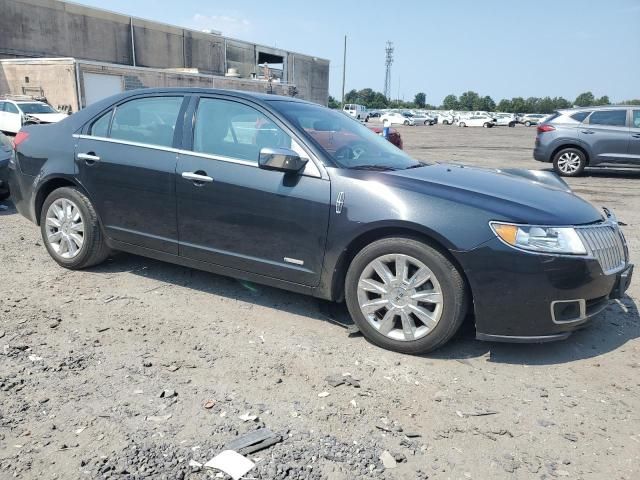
point(233, 130)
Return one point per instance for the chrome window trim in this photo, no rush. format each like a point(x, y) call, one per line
point(311, 169)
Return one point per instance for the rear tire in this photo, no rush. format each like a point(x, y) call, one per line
point(85, 229)
point(527, 124)
point(512, 124)
point(406, 123)
point(445, 122)
point(569, 162)
point(462, 124)
point(486, 125)
point(424, 284)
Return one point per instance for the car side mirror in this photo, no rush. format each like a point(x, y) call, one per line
point(281, 159)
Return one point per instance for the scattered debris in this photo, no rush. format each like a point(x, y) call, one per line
point(168, 393)
point(323, 394)
point(209, 404)
point(231, 463)
point(102, 329)
point(158, 418)
point(247, 417)
point(254, 441)
point(477, 413)
point(388, 460)
point(337, 380)
point(35, 358)
point(195, 465)
point(570, 436)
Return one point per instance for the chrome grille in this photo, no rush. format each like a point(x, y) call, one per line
point(607, 245)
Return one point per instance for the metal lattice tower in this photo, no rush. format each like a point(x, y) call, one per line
point(388, 62)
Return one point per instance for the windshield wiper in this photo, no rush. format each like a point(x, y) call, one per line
point(417, 165)
point(379, 168)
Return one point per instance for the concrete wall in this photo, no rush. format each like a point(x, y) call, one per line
point(52, 28)
point(57, 79)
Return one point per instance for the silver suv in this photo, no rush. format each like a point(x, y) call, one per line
point(590, 137)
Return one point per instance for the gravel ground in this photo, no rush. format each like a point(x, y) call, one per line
point(87, 356)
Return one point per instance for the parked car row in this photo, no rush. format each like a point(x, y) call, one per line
point(5, 156)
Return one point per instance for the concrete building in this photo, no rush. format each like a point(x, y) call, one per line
point(56, 40)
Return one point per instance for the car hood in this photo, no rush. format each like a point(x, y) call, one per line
point(519, 196)
point(48, 117)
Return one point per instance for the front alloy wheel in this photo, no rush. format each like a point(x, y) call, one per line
point(400, 297)
point(405, 295)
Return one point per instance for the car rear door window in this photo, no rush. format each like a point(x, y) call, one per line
point(635, 123)
point(150, 120)
point(100, 127)
point(580, 116)
point(615, 118)
point(235, 130)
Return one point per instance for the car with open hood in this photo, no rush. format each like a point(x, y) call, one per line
point(16, 113)
point(287, 193)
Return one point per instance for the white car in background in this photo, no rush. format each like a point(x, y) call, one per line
point(16, 113)
point(446, 119)
point(533, 119)
point(359, 112)
point(505, 119)
point(476, 121)
point(395, 118)
point(420, 118)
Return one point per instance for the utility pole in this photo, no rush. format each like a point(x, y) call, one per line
point(344, 69)
point(388, 62)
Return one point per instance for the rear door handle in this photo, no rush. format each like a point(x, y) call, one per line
point(90, 158)
point(197, 178)
point(588, 132)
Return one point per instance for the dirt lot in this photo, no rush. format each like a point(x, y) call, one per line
point(86, 355)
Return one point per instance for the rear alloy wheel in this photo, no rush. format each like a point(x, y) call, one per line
point(569, 162)
point(405, 295)
point(71, 231)
point(486, 125)
point(462, 124)
point(527, 124)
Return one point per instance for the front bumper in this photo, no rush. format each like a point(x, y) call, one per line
point(524, 297)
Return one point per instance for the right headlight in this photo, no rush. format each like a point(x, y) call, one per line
point(537, 238)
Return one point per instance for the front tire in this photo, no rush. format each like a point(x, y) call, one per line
point(527, 124)
point(569, 162)
point(486, 125)
point(405, 295)
point(445, 122)
point(71, 230)
point(406, 123)
point(462, 124)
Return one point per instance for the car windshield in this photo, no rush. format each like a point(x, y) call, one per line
point(347, 142)
point(36, 108)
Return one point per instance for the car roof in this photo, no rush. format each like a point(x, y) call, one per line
point(265, 97)
point(590, 109)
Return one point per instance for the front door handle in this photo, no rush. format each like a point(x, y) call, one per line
point(197, 177)
point(89, 158)
point(588, 132)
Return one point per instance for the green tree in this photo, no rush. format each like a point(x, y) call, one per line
point(420, 100)
point(504, 106)
point(485, 104)
point(604, 100)
point(635, 101)
point(351, 96)
point(518, 105)
point(468, 100)
point(333, 103)
point(560, 103)
point(450, 102)
point(585, 99)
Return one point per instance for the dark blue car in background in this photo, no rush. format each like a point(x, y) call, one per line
point(291, 194)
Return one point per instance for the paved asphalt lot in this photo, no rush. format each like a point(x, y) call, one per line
point(85, 356)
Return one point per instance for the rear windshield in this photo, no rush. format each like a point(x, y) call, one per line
point(553, 116)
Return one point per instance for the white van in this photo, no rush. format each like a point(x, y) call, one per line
point(359, 112)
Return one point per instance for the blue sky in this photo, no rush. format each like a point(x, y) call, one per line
point(501, 48)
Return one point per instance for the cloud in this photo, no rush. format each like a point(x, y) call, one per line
point(232, 26)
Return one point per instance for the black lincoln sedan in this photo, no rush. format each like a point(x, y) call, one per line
point(291, 194)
